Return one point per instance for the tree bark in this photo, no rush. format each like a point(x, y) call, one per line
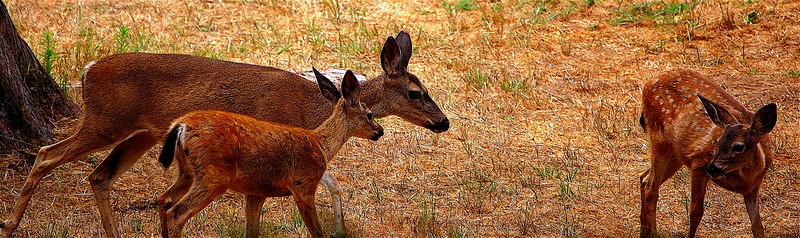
point(30, 101)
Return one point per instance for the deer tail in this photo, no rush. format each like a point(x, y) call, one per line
point(171, 144)
point(83, 76)
point(641, 122)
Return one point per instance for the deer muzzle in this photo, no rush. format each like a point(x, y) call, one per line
point(376, 135)
point(440, 126)
point(714, 171)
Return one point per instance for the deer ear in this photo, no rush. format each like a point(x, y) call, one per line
point(717, 113)
point(765, 119)
point(391, 57)
point(326, 87)
point(404, 41)
point(350, 86)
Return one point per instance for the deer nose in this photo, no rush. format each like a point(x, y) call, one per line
point(714, 171)
point(377, 135)
point(440, 126)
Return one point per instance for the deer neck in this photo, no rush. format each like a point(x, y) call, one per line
point(334, 131)
point(760, 162)
point(372, 94)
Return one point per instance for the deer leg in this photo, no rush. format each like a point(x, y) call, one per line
point(661, 169)
point(168, 199)
point(73, 148)
point(644, 177)
point(121, 159)
point(336, 197)
point(699, 186)
point(751, 202)
point(305, 201)
point(198, 197)
point(252, 212)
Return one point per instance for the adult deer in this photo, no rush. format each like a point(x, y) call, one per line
point(130, 100)
point(219, 151)
point(717, 138)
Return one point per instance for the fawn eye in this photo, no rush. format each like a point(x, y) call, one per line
point(737, 147)
point(369, 116)
point(414, 95)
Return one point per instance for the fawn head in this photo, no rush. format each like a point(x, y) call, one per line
point(358, 117)
point(738, 145)
point(406, 95)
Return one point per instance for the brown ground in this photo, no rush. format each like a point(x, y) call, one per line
point(544, 106)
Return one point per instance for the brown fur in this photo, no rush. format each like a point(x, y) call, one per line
point(681, 134)
point(130, 100)
point(219, 151)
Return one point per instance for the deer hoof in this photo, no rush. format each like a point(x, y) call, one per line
point(2, 224)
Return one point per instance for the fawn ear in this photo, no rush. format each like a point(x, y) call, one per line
point(326, 87)
point(404, 41)
point(391, 57)
point(350, 86)
point(765, 119)
point(717, 113)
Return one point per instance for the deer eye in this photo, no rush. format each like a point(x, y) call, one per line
point(369, 116)
point(414, 95)
point(737, 147)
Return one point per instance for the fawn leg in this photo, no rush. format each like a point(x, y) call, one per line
point(252, 212)
point(306, 204)
point(699, 185)
point(662, 168)
point(751, 202)
point(198, 197)
point(168, 199)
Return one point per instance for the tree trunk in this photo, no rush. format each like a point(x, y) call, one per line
point(30, 101)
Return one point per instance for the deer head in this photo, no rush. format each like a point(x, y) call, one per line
point(738, 146)
point(359, 119)
point(408, 98)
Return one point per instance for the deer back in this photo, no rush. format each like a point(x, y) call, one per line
point(140, 90)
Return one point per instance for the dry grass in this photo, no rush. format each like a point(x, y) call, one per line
point(543, 96)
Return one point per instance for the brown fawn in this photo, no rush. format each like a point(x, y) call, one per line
point(219, 151)
point(129, 101)
point(692, 122)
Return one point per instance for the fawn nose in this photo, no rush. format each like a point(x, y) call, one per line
point(440, 126)
point(714, 171)
point(377, 135)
